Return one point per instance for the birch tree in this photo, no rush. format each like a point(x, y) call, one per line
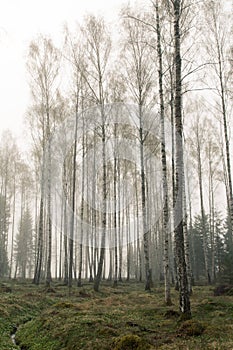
point(97, 45)
point(163, 157)
point(139, 70)
point(43, 67)
point(177, 9)
point(218, 51)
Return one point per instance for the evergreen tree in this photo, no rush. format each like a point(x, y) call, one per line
point(197, 256)
point(24, 244)
point(225, 250)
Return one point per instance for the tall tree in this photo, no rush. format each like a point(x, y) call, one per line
point(218, 50)
point(43, 65)
point(163, 157)
point(98, 45)
point(9, 160)
point(177, 10)
point(75, 57)
point(139, 70)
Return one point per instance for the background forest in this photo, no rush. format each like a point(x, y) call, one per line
point(128, 176)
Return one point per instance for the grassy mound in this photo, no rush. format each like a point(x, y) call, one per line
point(191, 328)
point(130, 342)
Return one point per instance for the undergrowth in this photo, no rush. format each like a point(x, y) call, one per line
point(119, 318)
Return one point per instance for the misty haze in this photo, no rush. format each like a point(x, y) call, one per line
point(116, 199)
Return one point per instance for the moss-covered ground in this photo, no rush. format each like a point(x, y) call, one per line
point(125, 317)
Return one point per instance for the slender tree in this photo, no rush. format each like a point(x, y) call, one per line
point(179, 164)
point(163, 158)
point(98, 45)
point(217, 51)
point(43, 65)
point(139, 71)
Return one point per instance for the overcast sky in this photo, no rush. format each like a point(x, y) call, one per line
point(21, 21)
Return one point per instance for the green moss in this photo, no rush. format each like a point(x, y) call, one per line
point(130, 319)
point(64, 305)
point(130, 342)
point(4, 312)
point(107, 332)
point(29, 336)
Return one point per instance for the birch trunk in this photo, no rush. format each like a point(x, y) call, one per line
point(179, 234)
point(164, 164)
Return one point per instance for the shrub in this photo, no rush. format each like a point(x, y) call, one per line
point(223, 290)
point(191, 328)
point(171, 314)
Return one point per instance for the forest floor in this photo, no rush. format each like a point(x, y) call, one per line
point(125, 317)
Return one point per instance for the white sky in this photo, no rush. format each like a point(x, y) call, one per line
point(20, 22)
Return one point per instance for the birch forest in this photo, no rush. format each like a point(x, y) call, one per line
point(126, 178)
